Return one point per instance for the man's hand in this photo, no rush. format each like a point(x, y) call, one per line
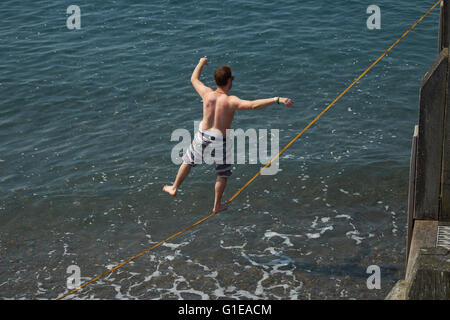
point(195, 78)
point(198, 69)
point(203, 61)
point(287, 102)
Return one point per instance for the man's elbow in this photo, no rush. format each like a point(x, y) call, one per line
point(255, 105)
point(194, 79)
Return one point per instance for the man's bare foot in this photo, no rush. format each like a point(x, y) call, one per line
point(170, 190)
point(221, 207)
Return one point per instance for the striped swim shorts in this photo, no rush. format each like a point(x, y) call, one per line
point(210, 148)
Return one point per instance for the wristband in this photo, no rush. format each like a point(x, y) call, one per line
point(277, 100)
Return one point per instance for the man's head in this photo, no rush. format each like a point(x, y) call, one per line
point(223, 76)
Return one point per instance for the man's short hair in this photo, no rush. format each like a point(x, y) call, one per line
point(222, 74)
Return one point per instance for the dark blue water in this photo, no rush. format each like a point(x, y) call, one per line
point(86, 118)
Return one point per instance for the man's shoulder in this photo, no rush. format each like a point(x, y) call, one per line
point(232, 101)
point(233, 98)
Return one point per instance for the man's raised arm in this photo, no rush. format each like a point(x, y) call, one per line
point(240, 104)
point(195, 78)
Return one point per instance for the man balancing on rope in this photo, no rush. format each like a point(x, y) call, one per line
point(218, 113)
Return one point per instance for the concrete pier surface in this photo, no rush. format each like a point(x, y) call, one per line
point(428, 267)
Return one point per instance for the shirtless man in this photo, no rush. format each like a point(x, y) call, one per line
point(218, 113)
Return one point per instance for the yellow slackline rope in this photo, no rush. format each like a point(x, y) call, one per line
point(268, 164)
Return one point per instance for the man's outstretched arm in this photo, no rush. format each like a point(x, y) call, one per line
point(240, 104)
point(195, 78)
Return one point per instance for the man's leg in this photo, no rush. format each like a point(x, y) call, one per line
point(219, 188)
point(183, 172)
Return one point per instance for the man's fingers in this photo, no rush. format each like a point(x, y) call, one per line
point(204, 60)
point(288, 102)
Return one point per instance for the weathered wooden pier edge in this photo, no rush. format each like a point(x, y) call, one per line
point(427, 273)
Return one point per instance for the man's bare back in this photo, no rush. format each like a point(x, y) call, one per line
point(218, 113)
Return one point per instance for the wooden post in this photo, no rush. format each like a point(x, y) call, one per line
point(433, 100)
point(444, 26)
point(412, 190)
point(444, 214)
point(444, 36)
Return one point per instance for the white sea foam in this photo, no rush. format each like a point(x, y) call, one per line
point(313, 235)
point(271, 234)
point(174, 245)
point(318, 234)
point(232, 247)
point(354, 235)
point(345, 216)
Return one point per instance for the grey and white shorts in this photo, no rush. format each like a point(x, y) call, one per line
point(208, 147)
